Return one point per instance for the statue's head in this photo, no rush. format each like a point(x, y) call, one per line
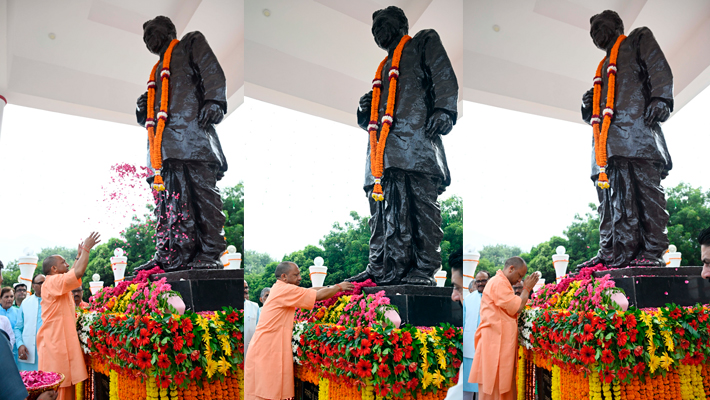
point(388, 26)
point(158, 33)
point(605, 27)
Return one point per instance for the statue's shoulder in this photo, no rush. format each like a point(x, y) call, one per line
point(192, 36)
point(426, 35)
point(639, 32)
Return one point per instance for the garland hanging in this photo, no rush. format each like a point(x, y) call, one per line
point(377, 147)
point(601, 133)
point(155, 135)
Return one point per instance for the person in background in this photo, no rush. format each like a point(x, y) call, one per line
point(78, 295)
point(7, 297)
point(5, 324)
point(251, 317)
point(11, 385)
point(472, 317)
point(20, 293)
point(456, 263)
point(704, 240)
point(518, 288)
point(28, 325)
point(264, 295)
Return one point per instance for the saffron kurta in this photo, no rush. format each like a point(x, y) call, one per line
point(268, 368)
point(496, 340)
point(58, 345)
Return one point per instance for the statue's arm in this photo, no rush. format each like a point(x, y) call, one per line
point(205, 62)
point(587, 106)
point(142, 109)
point(363, 110)
point(445, 87)
point(659, 81)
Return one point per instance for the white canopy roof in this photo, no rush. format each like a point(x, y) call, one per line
point(87, 58)
point(542, 59)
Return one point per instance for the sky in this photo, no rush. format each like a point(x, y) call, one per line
point(530, 174)
point(523, 177)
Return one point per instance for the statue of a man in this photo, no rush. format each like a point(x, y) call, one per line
point(187, 157)
point(406, 220)
point(632, 203)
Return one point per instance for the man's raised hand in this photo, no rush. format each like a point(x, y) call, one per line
point(531, 280)
point(91, 241)
point(346, 286)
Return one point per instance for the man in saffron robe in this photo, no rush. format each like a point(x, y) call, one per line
point(58, 346)
point(496, 340)
point(268, 368)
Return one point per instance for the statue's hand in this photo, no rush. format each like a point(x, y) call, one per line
point(440, 123)
point(142, 103)
point(366, 102)
point(657, 111)
point(588, 98)
point(211, 114)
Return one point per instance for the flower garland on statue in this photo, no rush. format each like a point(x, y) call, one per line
point(601, 133)
point(155, 135)
point(377, 147)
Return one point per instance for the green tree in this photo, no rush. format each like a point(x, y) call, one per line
point(233, 207)
point(452, 225)
point(689, 210)
point(497, 254)
point(582, 237)
point(255, 262)
point(540, 258)
point(10, 273)
point(138, 241)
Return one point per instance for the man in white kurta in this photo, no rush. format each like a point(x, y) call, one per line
point(28, 325)
point(251, 317)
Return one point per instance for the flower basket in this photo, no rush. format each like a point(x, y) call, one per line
point(38, 382)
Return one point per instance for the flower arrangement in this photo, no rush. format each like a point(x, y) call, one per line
point(351, 349)
point(353, 310)
point(392, 361)
point(155, 133)
point(601, 133)
point(377, 142)
point(595, 349)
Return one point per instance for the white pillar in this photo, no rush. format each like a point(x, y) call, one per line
point(3, 103)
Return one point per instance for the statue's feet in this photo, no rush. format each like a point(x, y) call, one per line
point(592, 262)
point(361, 277)
point(148, 266)
point(647, 261)
point(419, 280)
point(205, 264)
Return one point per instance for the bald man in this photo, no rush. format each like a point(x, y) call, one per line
point(704, 241)
point(268, 368)
point(58, 345)
point(496, 340)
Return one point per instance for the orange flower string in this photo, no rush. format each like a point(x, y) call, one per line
point(377, 146)
point(601, 133)
point(155, 135)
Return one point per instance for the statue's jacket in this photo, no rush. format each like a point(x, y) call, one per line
point(643, 75)
point(427, 83)
point(195, 78)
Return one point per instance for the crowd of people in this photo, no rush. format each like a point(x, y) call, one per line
point(40, 329)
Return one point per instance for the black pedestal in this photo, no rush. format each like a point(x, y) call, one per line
point(422, 305)
point(544, 383)
point(656, 287)
point(305, 390)
point(101, 386)
point(208, 289)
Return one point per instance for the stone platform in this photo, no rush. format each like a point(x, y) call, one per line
point(422, 305)
point(207, 289)
point(658, 286)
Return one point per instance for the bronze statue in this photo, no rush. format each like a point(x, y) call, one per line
point(632, 210)
point(406, 224)
point(189, 211)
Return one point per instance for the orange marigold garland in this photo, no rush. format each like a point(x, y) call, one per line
point(155, 134)
point(601, 132)
point(377, 146)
